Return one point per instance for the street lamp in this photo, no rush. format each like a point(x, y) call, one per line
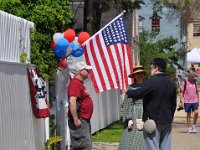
point(184, 48)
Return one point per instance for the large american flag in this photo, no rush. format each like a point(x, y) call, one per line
point(108, 52)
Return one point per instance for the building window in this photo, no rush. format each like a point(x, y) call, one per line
point(141, 23)
point(155, 22)
point(196, 31)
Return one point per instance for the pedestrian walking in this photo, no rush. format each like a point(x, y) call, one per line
point(80, 109)
point(159, 104)
point(190, 97)
point(192, 68)
point(132, 138)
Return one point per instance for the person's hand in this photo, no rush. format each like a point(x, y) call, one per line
point(77, 123)
point(130, 124)
point(180, 104)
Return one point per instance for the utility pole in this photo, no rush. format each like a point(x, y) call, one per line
point(61, 97)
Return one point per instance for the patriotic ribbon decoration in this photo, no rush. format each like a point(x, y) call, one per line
point(38, 94)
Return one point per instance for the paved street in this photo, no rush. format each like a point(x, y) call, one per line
point(181, 140)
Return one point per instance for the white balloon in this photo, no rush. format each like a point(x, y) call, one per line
point(57, 36)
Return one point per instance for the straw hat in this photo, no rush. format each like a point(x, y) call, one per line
point(137, 69)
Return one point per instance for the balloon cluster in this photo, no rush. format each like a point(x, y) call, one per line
point(64, 46)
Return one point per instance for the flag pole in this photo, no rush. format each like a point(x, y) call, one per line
point(105, 26)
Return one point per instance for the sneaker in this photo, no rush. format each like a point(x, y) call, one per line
point(189, 130)
point(193, 129)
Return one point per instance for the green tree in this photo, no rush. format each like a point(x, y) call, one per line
point(152, 46)
point(49, 17)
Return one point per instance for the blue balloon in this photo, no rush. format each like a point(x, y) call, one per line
point(77, 51)
point(75, 47)
point(72, 44)
point(61, 48)
point(62, 43)
point(60, 53)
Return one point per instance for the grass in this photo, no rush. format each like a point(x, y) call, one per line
point(110, 134)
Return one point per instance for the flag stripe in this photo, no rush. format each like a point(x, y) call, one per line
point(108, 60)
point(115, 65)
point(90, 61)
point(108, 78)
point(129, 66)
point(101, 64)
point(119, 57)
point(95, 53)
point(124, 70)
point(125, 64)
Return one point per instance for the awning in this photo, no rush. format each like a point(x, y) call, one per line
point(193, 56)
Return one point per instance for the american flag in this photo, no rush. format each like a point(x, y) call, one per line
point(108, 52)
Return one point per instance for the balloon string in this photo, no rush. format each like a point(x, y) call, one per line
point(72, 52)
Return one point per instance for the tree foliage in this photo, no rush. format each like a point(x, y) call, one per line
point(152, 46)
point(49, 17)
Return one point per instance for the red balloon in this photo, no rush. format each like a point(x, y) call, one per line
point(70, 35)
point(82, 37)
point(62, 64)
point(53, 44)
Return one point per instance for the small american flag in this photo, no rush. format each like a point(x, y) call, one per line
point(108, 52)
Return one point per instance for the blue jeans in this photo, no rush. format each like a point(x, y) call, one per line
point(160, 139)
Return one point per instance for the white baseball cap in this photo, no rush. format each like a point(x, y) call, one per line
point(82, 65)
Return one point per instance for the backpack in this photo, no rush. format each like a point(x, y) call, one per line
point(185, 83)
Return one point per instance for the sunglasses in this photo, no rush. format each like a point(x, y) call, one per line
point(86, 70)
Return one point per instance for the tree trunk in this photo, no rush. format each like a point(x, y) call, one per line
point(92, 16)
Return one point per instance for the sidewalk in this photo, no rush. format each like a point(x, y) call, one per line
point(181, 140)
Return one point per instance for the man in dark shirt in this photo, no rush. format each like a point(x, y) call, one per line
point(159, 104)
